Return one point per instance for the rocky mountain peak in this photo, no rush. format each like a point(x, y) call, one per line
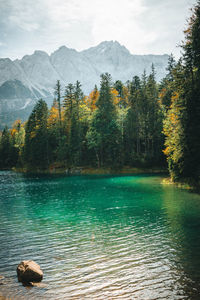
point(37, 73)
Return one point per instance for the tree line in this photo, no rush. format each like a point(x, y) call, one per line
point(131, 124)
point(180, 95)
point(114, 126)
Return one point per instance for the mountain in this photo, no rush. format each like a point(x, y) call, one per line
point(115, 59)
point(24, 81)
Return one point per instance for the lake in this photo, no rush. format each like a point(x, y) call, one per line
point(100, 237)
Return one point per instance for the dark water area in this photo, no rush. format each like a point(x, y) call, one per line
point(100, 237)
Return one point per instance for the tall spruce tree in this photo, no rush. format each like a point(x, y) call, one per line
point(132, 126)
point(191, 58)
point(155, 117)
point(72, 101)
point(8, 152)
point(103, 135)
point(36, 140)
point(58, 100)
point(182, 124)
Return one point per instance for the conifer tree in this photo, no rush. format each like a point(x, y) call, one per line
point(36, 140)
point(132, 126)
point(58, 99)
point(103, 135)
point(191, 58)
point(8, 153)
point(182, 125)
point(72, 101)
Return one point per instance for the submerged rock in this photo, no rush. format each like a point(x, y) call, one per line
point(29, 271)
point(1, 280)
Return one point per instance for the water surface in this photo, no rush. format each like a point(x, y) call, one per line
point(100, 237)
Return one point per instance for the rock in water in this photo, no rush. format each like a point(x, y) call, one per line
point(29, 271)
point(1, 282)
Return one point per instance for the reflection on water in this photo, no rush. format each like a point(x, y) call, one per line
point(100, 237)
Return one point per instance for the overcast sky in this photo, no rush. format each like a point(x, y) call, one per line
point(143, 26)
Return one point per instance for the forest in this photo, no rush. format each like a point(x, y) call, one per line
point(139, 123)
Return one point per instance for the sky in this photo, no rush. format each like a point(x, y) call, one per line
point(142, 26)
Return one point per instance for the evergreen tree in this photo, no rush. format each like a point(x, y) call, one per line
point(72, 101)
point(58, 99)
point(8, 153)
point(103, 135)
point(166, 86)
point(36, 140)
point(191, 58)
point(121, 93)
point(55, 133)
point(182, 125)
point(69, 104)
point(155, 118)
point(132, 126)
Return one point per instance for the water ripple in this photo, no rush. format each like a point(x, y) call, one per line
point(99, 237)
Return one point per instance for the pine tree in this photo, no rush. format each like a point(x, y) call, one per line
point(191, 58)
point(166, 86)
point(132, 126)
point(155, 117)
point(182, 125)
point(8, 152)
point(103, 135)
point(58, 100)
point(72, 101)
point(55, 133)
point(36, 140)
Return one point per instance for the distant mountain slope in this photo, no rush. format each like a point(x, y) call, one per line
point(115, 59)
point(24, 81)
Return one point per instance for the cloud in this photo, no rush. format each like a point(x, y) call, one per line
point(24, 23)
point(102, 19)
point(167, 20)
point(117, 21)
point(2, 44)
point(143, 26)
point(22, 14)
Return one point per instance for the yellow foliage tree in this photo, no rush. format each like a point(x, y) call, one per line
point(92, 99)
point(53, 115)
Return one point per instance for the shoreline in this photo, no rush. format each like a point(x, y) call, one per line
point(182, 185)
point(91, 171)
point(78, 171)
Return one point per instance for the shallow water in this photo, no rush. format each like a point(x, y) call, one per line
point(100, 237)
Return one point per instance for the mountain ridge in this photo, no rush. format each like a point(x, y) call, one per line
point(37, 73)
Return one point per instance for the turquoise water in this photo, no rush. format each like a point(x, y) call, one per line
point(100, 237)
